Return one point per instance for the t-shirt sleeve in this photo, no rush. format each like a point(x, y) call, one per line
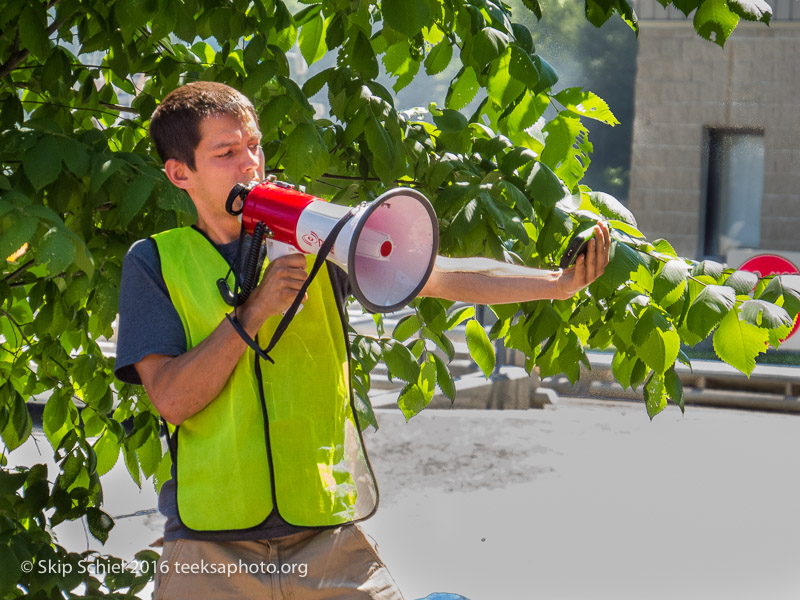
point(148, 322)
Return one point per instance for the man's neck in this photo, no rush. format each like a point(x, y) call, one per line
point(219, 232)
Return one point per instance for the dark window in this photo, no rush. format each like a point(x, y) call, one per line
point(734, 184)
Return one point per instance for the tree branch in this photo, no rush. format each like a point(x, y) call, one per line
point(17, 56)
point(20, 270)
point(97, 110)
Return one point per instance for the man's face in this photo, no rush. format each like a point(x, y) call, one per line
point(229, 152)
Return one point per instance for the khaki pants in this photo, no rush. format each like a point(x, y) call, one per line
point(315, 565)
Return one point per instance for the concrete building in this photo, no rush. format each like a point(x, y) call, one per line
point(715, 166)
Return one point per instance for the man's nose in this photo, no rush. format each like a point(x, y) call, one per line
point(252, 159)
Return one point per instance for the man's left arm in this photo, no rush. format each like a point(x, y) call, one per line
point(486, 281)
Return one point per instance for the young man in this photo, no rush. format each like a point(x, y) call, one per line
point(269, 470)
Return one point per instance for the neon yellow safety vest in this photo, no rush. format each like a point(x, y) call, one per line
point(294, 445)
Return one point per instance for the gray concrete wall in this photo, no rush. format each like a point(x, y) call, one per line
point(685, 84)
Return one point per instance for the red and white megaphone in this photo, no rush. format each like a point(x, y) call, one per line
point(387, 248)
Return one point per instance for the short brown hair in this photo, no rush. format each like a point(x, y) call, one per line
point(175, 124)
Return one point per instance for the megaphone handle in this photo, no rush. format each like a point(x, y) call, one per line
point(321, 256)
point(276, 249)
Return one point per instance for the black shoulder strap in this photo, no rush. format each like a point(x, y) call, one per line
point(292, 310)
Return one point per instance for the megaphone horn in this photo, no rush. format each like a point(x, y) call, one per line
point(387, 248)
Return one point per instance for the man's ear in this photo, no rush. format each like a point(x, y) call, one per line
point(178, 172)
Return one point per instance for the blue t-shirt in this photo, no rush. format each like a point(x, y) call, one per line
point(149, 324)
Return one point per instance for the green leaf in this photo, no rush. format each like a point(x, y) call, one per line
point(399, 62)
point(363, 57)
point(57, 250)
point(401, 362)
point(599, 11)
point(765, 314)
point(752, 10)
point(75, 156)
point(712, 304)
point(545, 188)
point(563, 354)
point(312, 40)
point(102, 171)
point(522, 68)
point(674, 388)
point(107, 449)
point(164, 471)
point(99, 523)
point(10, 482)
point(132, 464)
point(19, 425)
point(439, 57)
point(738, 342)
point(55, 418)
point(21, 231)
point(444, 378)
point(462, 90)
point(33, 31)
point(535, 7)
point(714, 21)
point(433, 313)
point(480, 348)
point(407, 16)
point(656, 344)
point(306, 153)
point(259, 76)
point(621, 367)
point(611, 208)
point(411, 401)
point(670, 283)
point(776, 290)
point(664, 248)
point(427, 379)
point(382, 146)
point(406, 327)
point(135, 197)
point(149, 454)
point(655, 395)
point(42, 163)
point(709, 268)
point(547, 74)
point(11, 573)
point(254, 52)
point(502, 88)
point(487, 46)
point(623, 261)
point(459, 316)
point(742, 281)
point(586, 104)
point(567, 149)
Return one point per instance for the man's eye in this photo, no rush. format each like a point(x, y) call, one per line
point(227, 154)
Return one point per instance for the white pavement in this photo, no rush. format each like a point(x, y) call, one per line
point(587, 500)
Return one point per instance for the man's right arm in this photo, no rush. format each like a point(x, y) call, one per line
point(181, 386)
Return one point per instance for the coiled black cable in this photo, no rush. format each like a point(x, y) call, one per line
point(250, 279)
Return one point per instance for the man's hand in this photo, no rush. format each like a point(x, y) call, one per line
point(274, 295)
point(588, 267)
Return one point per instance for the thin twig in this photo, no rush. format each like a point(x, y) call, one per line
point(20, 270)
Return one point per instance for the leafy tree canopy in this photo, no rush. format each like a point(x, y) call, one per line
point(80, 182)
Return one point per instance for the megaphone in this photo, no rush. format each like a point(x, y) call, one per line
point(387, 248)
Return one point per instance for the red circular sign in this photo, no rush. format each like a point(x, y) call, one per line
point(770, 264)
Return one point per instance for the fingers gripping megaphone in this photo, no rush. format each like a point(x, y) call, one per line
point(387, 247)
